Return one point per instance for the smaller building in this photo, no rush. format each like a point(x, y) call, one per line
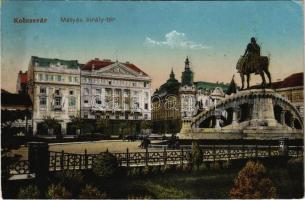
point(22, 82)
point(292, 88)
point(175, 101)
point(166, 116)
point(16, 113)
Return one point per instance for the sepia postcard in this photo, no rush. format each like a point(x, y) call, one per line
point(152, 99)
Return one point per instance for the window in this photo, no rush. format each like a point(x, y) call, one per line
point(71, 92)
point(107, 117)
point(43, 90)
point(98, 91)
point(86, 116)
point(75, 79)
point(40, 77)
point(57, 101)
point(72, 102)
point(46, 77)
point(86, 91)
point(145, 84)
point(135, 117)
point(58, 77)
point(109, 82)
point(42, 101)
point(51, 77)
point(70, 79)
point(98, 101)
point(117, 117)
point(134, 84)
point(146, 106)
point(126, 115)
point(57, 92)
point(145, 116)
point(86, 101)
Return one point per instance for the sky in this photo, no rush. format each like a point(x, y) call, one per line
point(155, 36)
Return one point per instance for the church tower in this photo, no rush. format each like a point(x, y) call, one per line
point(187, 92)
point(187, 75)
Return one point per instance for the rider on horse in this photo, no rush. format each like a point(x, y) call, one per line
point(252, 54)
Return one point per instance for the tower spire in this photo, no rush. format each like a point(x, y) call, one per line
point(172, 75)
point(187, 63)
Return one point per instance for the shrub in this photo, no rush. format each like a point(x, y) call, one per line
point(71, 179)
point(252, 182)
point(155, 169)
point(90, 192)
point(146, 170)
point(134, 171)
point(227, 164)
point(29, 192)
point(296, 172)
point(197, 156)
point(216, 166)
point(58, 192)
point(295, 167)
point(106, 165)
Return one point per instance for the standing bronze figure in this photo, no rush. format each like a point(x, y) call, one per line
point(253, 62)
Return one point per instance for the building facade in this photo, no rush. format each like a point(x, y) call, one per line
point(115, 91)
point(292, 88)
point(22, 83)
point(54, 88)
point(175, 101)
point(166, 114)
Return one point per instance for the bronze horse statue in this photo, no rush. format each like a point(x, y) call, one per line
point(245, 70)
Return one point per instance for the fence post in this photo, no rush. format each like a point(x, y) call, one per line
point(146, 156)
point(214, 153)
point(62, 160)
point(127, 157)
point(80, 161)
point(243, 151)
point(164, 156)
point(86, 159)
point(182, 157)
point(39, 159)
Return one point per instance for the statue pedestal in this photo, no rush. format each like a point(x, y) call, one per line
point(263, 113)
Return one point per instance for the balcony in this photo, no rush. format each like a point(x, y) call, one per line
point(57, 107)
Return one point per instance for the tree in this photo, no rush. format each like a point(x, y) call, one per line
point(197, 155)
point(105, 165)
point(145, 125)
point(252, 182)
point(77, 122)
point(102, 125)
point(52, 125)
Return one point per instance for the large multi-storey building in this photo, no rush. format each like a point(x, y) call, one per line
point(54, 88)
point(116, 91)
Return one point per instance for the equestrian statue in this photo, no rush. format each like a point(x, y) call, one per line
point(253, 62)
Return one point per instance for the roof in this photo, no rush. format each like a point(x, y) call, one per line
point(99, 64)
point(210, 85)
point(11, 99)
point(45, 62)
point(293, 80)
point(171, 86)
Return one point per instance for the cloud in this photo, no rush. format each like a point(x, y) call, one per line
point(174, 40)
